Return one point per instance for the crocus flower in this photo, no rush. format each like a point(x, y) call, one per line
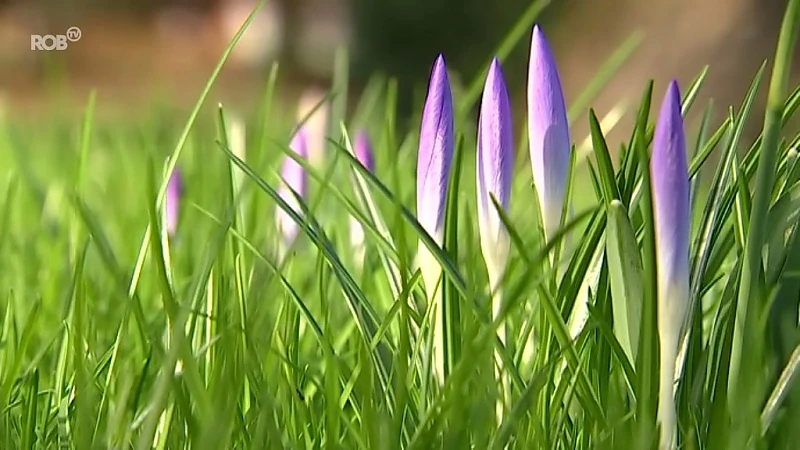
point(495, 167)
point(173, 199)
point(363, 150)
point(669, 176)
point(435, 156)
point(294, 179)
point(549, 141)
point(494, 170)
point(436, 148)
point(548, 132)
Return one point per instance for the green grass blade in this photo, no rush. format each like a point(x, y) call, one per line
point(748, 345)
point(625, 274)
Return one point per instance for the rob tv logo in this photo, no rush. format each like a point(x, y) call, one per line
point(50, 42)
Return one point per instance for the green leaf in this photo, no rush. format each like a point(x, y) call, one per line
point(625, 275)
point(748, 343)
point(606, 169)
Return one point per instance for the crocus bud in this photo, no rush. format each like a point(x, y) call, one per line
point(294, 181)
point(548, 132)
point(173, 199)
point(436, 148)
point(495, 167)
point(363, 150)
point(669, 176)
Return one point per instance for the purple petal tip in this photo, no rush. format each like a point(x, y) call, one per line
point(176, 182)
point(174, 193)
point(538, 38)
point(669, 133)
point(439, 72)
point(540, 48)
point(673, 94)
point(363, 151)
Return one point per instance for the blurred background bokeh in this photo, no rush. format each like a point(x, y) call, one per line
point(135, 52)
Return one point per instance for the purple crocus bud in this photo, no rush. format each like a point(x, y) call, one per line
point(495, 167)
point(363, 150)
point(669, 177)
point(436, 148)
point(173, 200)
point(294, 182)
point(548, 132)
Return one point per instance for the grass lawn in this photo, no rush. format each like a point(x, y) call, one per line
point(114, 334)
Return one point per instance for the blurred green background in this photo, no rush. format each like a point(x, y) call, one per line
point(133, 51)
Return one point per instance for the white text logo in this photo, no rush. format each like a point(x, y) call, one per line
point(55, 42)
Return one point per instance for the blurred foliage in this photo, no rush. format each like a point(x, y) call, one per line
point(403, 37)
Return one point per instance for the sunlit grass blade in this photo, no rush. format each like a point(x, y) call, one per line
point(647, 353)
point(113, 266)
point(173, 159)
point(83, 161)
point(368, 202)
point(748, 343)
point(716, 211)
point(781, 390)
point(609, 185)
point(625, 273)
point(717, 415)
point(363, 312)
point(340, 82)
point(450, 308)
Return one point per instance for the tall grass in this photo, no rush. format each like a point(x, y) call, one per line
point(113, 335)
